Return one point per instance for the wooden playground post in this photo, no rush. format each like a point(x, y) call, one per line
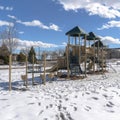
point(67, 53)
point(94, 57)
point(33, 70)
point(105, 55)
point(85, 52)
point(44, 81)
point(26, 71)
point(10, 62)
point(57, 66)
point(102, 58)
point(98, 57)
point(75, 41)
point(79, 52)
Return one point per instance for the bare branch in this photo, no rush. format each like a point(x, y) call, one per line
point(9, 38)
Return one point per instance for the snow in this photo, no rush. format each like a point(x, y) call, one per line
point(96, 97)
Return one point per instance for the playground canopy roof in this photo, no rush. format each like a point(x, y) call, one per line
point(76, 32)
point(98, 43)
point(91, 36)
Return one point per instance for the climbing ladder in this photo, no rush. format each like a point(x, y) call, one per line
point(75, 69)
point(75, 66)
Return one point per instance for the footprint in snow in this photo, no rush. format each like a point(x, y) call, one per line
point(39, 104)
point(75, 108)
point(3, 99)
point(107, 97)
point(110, 104)
point(87, 93)
point(31, 103)
point(59, 107)
point(105, 90)
point(62, 116)
point(95, 98)
point(69, 116)
point(76, 96)
point(66, 99)
point(87, 108)
point(64, 108)
point(46, 107)
point(111, 111)
point(51, 105)
point(40, 112)
point(109, 107)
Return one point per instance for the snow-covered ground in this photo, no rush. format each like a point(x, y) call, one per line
point(96, 97)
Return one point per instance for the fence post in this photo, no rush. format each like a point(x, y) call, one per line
point(10, 62)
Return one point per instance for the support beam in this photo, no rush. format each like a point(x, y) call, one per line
point(85, 53)
point(94, 57)
point(44, 81)
point(67, 53)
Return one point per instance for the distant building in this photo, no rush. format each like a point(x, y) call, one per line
point(113, 53)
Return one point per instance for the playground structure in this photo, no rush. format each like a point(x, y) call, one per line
point(81, 56)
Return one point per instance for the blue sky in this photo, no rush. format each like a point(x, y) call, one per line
point(45, 22)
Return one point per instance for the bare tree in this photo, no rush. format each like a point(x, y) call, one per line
point(60, 51)
point(9, 38)
point(25, 51)
point(57, 53)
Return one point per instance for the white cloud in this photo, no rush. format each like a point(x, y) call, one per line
point(106, 8)
point(101, 10)
point(108, 40)
point(21, 32)
point(5, 23)
point(54, 27)
point(1, 7)
point(110, 24)
point(6, 8)
point(64, 44)
point(9, 8)
point(37, 23)
point(22, 44)
point(11, 16)
point(34, 23)
point(28, 44)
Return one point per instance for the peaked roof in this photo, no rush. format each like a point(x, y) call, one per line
point(98, 43)
point(76, 31)
point(92, 36)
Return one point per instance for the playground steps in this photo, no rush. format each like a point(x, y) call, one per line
point(75, 69)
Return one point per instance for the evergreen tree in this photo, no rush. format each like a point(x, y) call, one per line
point(4, 54)
point(21, 57)
point(31, 54)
